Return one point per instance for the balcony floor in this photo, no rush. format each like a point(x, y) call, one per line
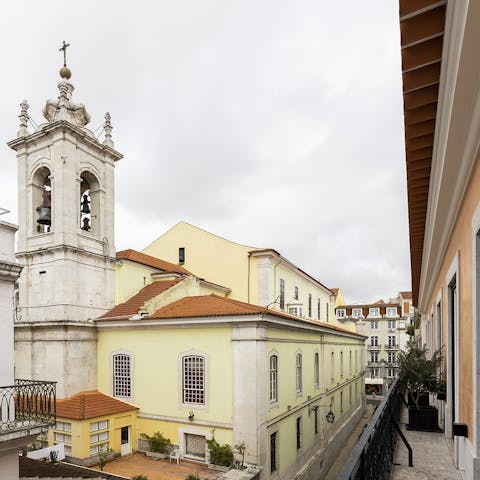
point(431, 456)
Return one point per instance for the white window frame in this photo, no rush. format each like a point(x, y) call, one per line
point(374, 325)
point(374, 343)
point(373, 357)
point(298, 373)
point(112, 372)
point(392, 343)
point(374, 312)
point(357, 312)
point(392, 312)
point(341, 312)
point(273, 378)
point(316, 369)
point(206, 370)
point(392, 325)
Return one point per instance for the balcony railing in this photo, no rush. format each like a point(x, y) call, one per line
point(372, 456)
point(374, 347)
point(27, 404)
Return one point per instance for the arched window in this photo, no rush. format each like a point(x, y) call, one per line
point(122, 375)
point(42, 201)
point(273, 378)
point(89, 203)
point(193, 379)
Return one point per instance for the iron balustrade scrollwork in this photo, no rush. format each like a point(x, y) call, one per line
point(27, 404)
point(372, 456)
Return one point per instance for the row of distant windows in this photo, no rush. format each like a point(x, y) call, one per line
point(299, 430)
point(391, 372)
point(391, 357)
point(391, 341)
point(99, 436)
point(273, 371)
point(372, 312)
point(297, 309)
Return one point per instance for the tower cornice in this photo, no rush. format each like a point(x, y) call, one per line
point(23, 142)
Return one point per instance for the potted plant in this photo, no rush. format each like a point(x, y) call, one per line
point(221, 456)
point(160, 445)
point(419, 377)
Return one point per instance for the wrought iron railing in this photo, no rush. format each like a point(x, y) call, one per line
point(372, 456)
point(27, 404)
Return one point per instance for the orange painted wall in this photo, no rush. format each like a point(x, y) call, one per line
point(461, 242)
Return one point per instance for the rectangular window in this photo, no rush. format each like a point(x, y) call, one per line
point(298, 372)
point(297, 311)
point(341, 312)
point(374, 341)
point(328, 311)
point(193, 379)
point(282, 294)
point(341, 402)
point(299, 432)
point(374, 373)
point(356, 361)
point(392, 357)
point(390, 372)
point(273, 452)
point(374, 312)
point(439, 325)
point(391, 311)
point(181, 255)
point(350, 371)
point(341, 364)
point(122, 381)
point(350, 395)
point(62, 438)
point(316, 375)
point(310, 305)
point(99, 437)
point(319, 304)
point(273, 378)
point(332, 367)
point(392, 324)
point(315, 418)
point(356, 312)
point(96, 426)
point(374, 357)
point(295, 293)
point(374, 324)
point(96, 449)
point(63, 427)
point(392, 341)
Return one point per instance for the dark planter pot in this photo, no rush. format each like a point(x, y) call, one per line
point(423, 418)
point(423, 400)
point(441, 396)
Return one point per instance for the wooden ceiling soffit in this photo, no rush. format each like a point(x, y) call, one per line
point(422, 23)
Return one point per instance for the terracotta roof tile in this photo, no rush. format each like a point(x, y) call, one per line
point(150, 261)
point(89, 405)
point(133, 304)
point(215, 306)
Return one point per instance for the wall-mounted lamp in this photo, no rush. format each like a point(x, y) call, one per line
point(191, 415)
point(312, 408)
point(330, 416)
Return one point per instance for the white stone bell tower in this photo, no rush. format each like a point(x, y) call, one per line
point(65, 241)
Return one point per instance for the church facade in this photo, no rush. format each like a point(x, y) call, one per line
point(243, 348)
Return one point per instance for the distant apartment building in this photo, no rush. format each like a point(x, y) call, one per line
point(385, 324)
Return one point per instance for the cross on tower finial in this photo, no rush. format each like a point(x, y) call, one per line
point(64, 48)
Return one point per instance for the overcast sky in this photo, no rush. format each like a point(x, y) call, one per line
point(271, 123)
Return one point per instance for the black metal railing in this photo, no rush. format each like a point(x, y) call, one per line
point(372, 456)
point(27, 404)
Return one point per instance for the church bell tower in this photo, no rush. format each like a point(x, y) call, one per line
point(65, 241)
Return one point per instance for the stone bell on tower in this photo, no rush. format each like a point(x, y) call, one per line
point(65, 240)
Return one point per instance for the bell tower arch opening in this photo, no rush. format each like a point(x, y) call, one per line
point(41, 201)
point(90, 207)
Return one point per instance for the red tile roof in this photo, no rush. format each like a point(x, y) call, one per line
point(150, 261)
point(215, 306)
point(89, 405)
point(406, 294)
point(133, 304)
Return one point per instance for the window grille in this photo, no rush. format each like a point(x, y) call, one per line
point(194, 380)
point(122, 381)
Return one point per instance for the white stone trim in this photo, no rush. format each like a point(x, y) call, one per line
point(476, 330)
point(193, 431)
point(449, 415)
point(121, 351)
point(271, 353)
point(193, 406)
